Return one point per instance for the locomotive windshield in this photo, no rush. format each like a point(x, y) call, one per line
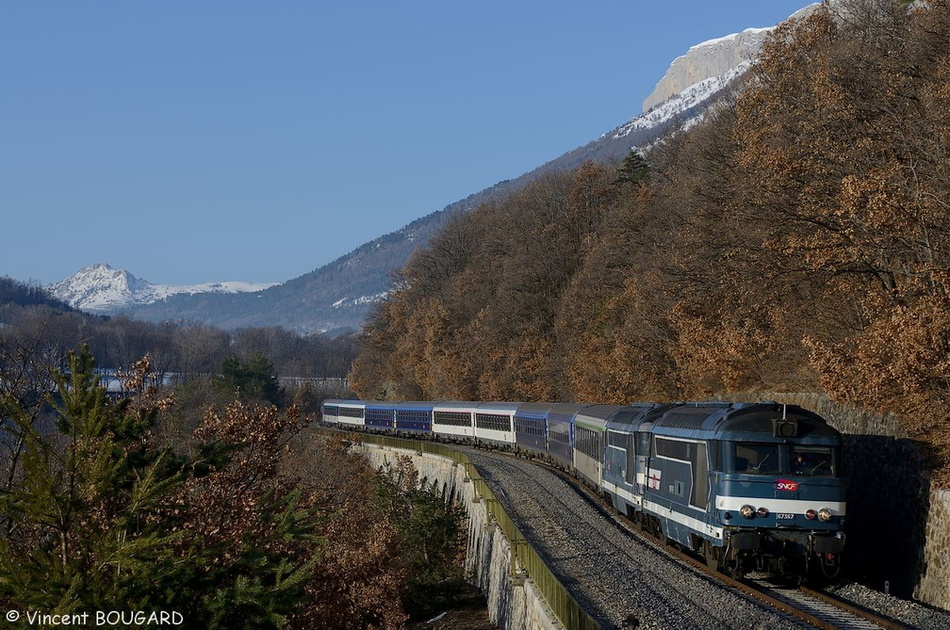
point(757, 459)
point(813, 461)
point(772, 459)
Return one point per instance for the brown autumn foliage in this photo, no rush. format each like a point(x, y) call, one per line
point(843, 133)
point(359, 580)
point(349, 563)
point(796, 240)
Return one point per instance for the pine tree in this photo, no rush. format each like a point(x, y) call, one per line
point(98, 518)
point(634, 169)
point(252, 380)
point(81, 526)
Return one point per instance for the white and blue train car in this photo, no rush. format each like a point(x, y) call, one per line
point(561, 433)
point(454, 420)
point(494, 422)
point(754, 486)
point(380, 415)
point(590, 425)
point(343, 412)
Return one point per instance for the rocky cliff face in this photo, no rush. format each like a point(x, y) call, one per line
point(705, 61)
point(710, 59)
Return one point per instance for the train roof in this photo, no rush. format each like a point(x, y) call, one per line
point(344, 401)
point(741, 420)
point(506, 407)
point(380, 404)
point(629, 417)
point(565, 412)
point(456, 405)
point(416, 405)
point(597, 414)
point(533, 410)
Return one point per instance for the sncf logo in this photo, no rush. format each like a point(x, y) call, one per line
point(785, 484)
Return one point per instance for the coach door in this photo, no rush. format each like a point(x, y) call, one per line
point(700, 494)
point(643, 458)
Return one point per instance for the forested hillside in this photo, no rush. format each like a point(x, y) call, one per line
point(795, 241)
point(25, 294)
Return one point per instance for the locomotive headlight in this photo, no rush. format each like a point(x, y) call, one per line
point(747, 511)
point(810, 515)
point(762, 512)
point(824, 515)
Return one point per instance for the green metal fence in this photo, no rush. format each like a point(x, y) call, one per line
point(525, 560)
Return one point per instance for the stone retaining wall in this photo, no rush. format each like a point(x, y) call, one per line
point(514, 603)
point(934, 585)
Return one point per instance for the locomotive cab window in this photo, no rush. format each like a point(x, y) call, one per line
point(813, 461)
point(756, 459)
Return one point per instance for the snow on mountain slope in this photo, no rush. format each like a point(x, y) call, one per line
point(712, 59)
point(691, 97)
point(707, 60)
point(99, 287)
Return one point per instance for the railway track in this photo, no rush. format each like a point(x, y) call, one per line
point(621, 579)
point(823, 611)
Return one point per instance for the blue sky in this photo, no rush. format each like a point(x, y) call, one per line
point(193, 142)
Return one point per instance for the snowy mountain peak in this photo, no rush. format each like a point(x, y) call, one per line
point(704, 61)
point(712, 59)
point(99, 287)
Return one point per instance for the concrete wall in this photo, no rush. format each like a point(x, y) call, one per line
point(514, 602)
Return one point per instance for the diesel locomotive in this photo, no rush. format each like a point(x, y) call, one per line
point(752, 487)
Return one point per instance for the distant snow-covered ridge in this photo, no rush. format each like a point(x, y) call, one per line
point(366, 299)
point(99, 287)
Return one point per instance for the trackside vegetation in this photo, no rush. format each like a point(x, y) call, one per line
point(249, 524)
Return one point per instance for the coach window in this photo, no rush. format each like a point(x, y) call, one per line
point(756, 459)
point(493, 422)
point(558, 434)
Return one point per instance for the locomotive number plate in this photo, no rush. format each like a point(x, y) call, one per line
point(784, 516)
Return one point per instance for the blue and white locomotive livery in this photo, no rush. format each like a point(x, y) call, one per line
point(753, 487)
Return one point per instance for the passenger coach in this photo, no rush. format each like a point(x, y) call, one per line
point(454, 419)
point(346, 412)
